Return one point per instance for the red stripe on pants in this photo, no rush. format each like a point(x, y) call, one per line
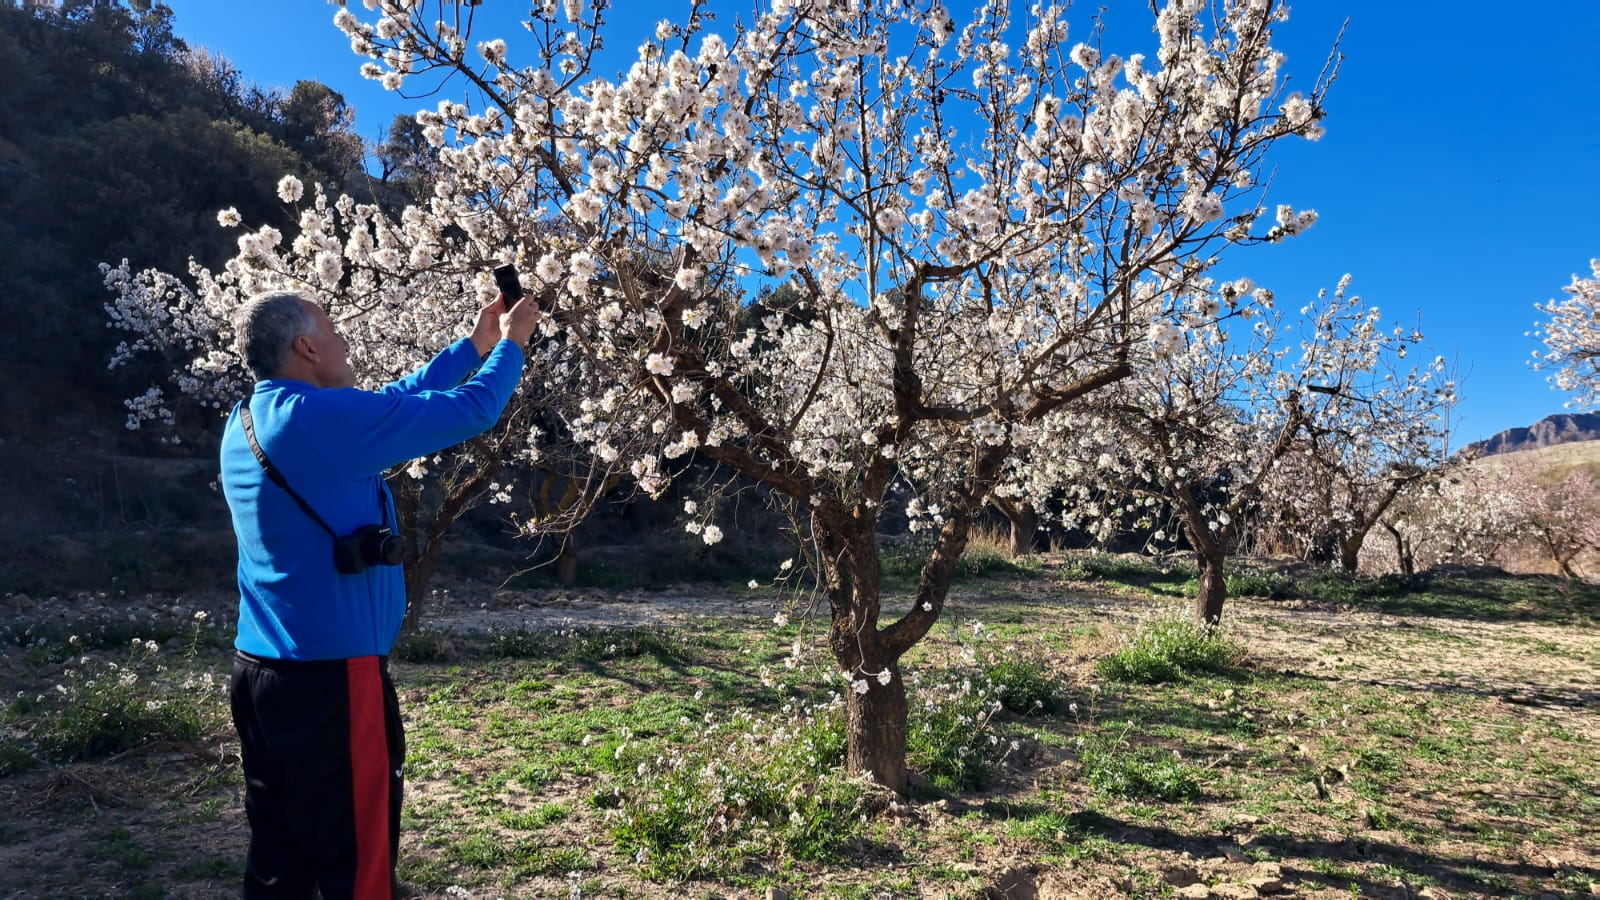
point(369, 768)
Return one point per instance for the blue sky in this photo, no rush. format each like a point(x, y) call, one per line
point(1459, 180)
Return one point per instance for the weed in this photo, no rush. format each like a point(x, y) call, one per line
point(986, 553)
point(101, 708)
point(1113, 766)
point(1331, 869)
point(534, 819)
point(754, 785)
point(119, 845)
point(1171, 646)
point(15, 757)
point(479, 851)
point(425, 645)
point(1483, 595)
point(950, 736)
point(530, 860)
point(1052, 829)
point(1024, 684)
point(1380, 819)
point(219, 868)
point(590, 644)
point(1258, 584)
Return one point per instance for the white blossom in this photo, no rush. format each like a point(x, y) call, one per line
point(290, 189)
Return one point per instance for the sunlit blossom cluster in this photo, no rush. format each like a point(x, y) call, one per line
point(1572, 340)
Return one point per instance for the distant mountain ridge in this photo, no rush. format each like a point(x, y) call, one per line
point(1563, 428)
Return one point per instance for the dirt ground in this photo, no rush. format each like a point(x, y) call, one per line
point(87, 825)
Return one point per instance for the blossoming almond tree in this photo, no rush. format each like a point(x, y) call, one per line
point(1572, 340)
point(1564, 517)
point(981, 223)
point(387, 284)
point(1504, 510)
point(1370, 443)
point(1199, 433)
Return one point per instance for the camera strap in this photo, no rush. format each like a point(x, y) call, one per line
point(272, 471)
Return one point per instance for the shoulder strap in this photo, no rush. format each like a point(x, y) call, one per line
point(272, 471)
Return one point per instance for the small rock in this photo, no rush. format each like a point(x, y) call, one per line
point(1181, 876)
point(1265, 884)
point(777, 893)
point(1193, 892)
point(1234, 892)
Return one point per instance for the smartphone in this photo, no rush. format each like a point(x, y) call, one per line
point(505, 277)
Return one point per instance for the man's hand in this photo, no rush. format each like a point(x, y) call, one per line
point(519, 323)
point(486, 333)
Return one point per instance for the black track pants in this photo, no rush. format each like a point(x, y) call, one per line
point(323, 749)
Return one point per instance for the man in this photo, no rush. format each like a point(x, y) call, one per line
point(318, 721)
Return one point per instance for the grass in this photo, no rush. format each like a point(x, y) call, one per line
point(1115, 767)
point(666, 762)
point(988, 553)
point(1454, 595)
point(1171, 646)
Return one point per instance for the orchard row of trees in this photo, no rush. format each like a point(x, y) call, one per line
point(1500, 511)
point(988, 246)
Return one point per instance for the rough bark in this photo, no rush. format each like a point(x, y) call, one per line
point(419, 572)
point(1350, 552)
point(1024, 523)
point(876, 729)
point(567, 561)
point(1210, 551)
point(1402, 550)
point(1213, 588)
point(423, 550)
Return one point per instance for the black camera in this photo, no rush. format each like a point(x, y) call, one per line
point(370, 545)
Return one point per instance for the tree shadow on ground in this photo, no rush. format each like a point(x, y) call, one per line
point(1563, 699)
point(1481, 877)
point(1473, 593)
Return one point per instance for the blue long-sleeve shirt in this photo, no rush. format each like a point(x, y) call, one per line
point(332, 446)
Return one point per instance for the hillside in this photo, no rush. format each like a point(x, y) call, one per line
point(1563, 428)
point(1554, 461)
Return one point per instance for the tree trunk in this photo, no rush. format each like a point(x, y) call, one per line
point(1402, 550)
point(1210, 551)
point(419, 572)
point(567, 561)
point(1350, 553)
point(876, 728)
point(422, 550)
point(1560, 552)
point(1024, 530)
point(1213, 588)
point(875, 721)
point(847, 557)
point(1024, 524)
